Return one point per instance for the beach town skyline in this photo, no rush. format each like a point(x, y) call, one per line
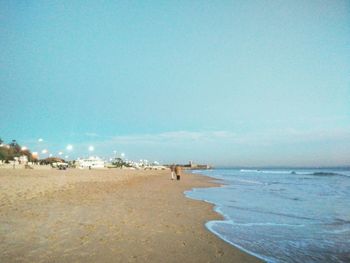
point(230, 83)
point(40, 152)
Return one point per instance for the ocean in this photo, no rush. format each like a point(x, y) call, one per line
point(282, 215)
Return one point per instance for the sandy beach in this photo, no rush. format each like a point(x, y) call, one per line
point(106, 216)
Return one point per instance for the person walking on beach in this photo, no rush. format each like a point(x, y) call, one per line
point(172, 169)
point(178, 172)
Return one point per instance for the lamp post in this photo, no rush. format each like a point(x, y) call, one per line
point(69, 149)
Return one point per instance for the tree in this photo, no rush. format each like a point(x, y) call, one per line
point(3, 153)
point(15, 146)
point(118, 162)
point(14, 150)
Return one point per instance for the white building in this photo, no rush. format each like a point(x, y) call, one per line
point(23, 159)
point(90, 163)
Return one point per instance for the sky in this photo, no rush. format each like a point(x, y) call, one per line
point(230, 83)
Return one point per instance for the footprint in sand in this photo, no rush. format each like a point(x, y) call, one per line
point(219, 253)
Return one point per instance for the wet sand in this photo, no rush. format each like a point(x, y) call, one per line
point(106, 216)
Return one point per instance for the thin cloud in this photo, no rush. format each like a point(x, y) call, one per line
point(255, 148)
point(91, 134)
point(268, 137)
point(173, 137)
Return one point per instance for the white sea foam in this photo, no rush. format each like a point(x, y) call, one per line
point(248, 181)
point(266, 224)
point(295, 225)
point(209, 225)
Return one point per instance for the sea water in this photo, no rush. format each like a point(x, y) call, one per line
point(282, 215)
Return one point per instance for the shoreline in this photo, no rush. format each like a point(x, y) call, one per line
point(223, 218)
point(107, 216)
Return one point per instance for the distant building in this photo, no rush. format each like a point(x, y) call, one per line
point(23, 159)
point(90, 163)
point(192, 165)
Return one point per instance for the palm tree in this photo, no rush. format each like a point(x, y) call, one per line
point(16, 148)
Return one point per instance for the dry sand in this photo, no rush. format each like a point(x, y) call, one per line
point(106, 216)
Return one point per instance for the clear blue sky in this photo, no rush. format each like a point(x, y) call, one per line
point(224, 82)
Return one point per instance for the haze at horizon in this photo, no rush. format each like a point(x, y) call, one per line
point(228, 83)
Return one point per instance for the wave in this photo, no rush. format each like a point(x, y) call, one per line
point(266, 224)
point(319, 173)
point(247, 181)
point(339, 222)
point(339, 231)
point(299, 222)
point(210, 225)
point(326, 173)
point(272, 213)
point(267, 171)
point(249, 171)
